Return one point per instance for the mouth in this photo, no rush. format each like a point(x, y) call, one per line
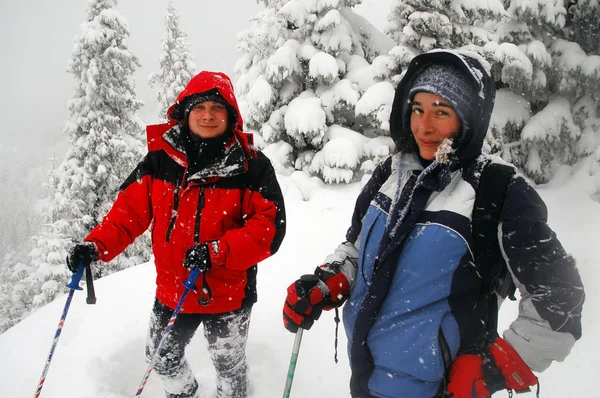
point(430, 144)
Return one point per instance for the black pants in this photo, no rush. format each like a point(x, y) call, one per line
point(226, 333)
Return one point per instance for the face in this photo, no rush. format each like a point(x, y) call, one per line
point(432, 120)
point(208, 119)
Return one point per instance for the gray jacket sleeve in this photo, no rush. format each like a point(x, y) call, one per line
point(552, 296)
point(345, 260)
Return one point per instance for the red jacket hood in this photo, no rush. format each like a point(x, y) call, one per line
point(205, 81)
point(202, 82)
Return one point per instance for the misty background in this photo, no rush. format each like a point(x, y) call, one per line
point(36, 40)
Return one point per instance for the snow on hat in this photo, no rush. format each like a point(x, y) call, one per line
point(210, 95)
point(452, 84)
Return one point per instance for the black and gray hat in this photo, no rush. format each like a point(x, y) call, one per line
point(195, 99)
point(452, 84)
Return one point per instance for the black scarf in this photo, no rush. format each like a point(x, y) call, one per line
point(202, 152)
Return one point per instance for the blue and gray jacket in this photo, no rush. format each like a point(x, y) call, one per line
point(415, 289)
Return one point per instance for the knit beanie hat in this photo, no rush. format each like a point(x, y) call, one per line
point(452, 84)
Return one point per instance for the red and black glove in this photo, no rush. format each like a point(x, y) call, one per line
point(309, 295)
point(338, 287)
point(303, 303)
point(479, 376)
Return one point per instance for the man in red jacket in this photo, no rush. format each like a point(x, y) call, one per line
point(213, 202)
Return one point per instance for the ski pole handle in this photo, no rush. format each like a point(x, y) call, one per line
point(76, 278)
point(189, 284)
point(292, 367)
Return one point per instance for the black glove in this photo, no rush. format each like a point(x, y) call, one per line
point(81, 253)
point(198, 257)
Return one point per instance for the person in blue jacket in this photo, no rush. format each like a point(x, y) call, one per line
point(415, 318)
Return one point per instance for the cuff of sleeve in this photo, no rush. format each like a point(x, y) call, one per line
point(218, 253)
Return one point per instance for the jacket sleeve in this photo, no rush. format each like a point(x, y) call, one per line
point(343, 260)
point(129, 216)
point(549, 319)
point(265, 223)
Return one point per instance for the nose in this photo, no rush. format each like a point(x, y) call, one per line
point(424, 124)
point(208, 114)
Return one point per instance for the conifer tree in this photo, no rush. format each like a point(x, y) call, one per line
point(558, 77)
point(583, 24)
point(304, 69)
point(106, 144)
point(425, 25)
point(542, 77)
point(176, 63)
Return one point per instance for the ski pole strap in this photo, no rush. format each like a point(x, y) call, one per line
point(537, 393)
point(89, 283)
point(206, 293)
point(337, 326)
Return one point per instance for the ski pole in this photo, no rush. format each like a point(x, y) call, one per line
point(73, 285)
point(189, 285)
point(292, 367)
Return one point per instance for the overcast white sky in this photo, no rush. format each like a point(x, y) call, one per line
point(36, 39)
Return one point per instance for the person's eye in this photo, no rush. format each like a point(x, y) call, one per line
point(417, 111)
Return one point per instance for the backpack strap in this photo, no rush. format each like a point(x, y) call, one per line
point(489, 199)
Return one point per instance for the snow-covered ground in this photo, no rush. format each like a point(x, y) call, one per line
point(100, 353)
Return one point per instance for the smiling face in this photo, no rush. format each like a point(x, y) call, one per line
point(208, 119)
point(432, 120)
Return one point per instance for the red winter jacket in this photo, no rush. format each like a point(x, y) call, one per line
point(235, 200)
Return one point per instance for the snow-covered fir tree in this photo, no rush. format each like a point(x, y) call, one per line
point(553, 77)
point(176, 63)
point(542, 77)
point(583, 24)
point(106, 138)
point(313, 81)
point(423, 25)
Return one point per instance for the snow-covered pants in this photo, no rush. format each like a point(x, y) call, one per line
point(227, 334)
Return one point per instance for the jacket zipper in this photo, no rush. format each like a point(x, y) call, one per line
point(174, 213)
point(198, 214)
point(175, 205)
